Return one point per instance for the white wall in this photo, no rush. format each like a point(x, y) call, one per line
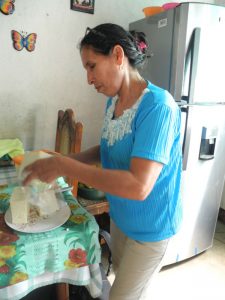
point(33, 86)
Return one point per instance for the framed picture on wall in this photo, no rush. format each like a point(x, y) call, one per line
point(86, 6)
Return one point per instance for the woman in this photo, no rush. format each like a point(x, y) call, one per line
point(140, 152)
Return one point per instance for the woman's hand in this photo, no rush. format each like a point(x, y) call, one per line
point(46, 170)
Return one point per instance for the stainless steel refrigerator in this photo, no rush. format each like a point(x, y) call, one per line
point(187, 57)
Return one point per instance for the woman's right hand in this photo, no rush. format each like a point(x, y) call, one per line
point(46, 169)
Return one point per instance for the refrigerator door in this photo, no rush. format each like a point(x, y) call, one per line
point(202, 181)
point(204, 58)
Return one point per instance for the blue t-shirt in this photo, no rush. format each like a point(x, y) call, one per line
point(148, 130)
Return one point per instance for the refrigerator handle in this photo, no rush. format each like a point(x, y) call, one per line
point(192, 53)
point(194, 62)
point(186, 139)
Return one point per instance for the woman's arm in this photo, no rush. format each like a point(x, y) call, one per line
point(90, 156)
point(135, 183)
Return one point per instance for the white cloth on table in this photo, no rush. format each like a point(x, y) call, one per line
point(89, 276)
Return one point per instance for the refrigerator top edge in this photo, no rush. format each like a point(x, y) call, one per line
point(182, 5)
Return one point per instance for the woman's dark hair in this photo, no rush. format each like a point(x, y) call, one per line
point(104, 37)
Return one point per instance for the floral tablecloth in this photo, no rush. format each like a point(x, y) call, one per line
point(70, 253)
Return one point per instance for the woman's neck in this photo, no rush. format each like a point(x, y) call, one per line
point(131, 90)
point(132, 87)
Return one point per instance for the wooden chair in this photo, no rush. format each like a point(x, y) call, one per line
point(68, 139)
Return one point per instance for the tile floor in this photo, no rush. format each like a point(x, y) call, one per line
point(198, 278)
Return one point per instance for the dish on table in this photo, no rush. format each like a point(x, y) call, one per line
point(48, 223)
point(89, 193)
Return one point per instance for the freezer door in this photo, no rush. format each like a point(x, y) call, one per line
point(204, 58)
point(159, 33)
point(202, 181)
point(188, 49)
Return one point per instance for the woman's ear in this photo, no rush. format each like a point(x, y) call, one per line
point(119, 54)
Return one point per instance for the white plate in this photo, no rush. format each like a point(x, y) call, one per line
point(51, 222)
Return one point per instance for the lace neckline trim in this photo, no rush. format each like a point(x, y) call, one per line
point(115, 129)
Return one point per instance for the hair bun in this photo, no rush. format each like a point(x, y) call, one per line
point(140, 41)
point(142, 46)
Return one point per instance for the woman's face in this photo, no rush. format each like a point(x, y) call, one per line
point(102, 71)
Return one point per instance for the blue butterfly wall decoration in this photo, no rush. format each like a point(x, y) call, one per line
point(23, 41)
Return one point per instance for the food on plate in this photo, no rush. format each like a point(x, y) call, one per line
point(19, 204)
point(47, 203)
point(24, 211)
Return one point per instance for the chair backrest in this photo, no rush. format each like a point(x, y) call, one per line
point(68, 139)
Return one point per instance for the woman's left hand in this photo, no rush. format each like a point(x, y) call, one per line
point(46, 170)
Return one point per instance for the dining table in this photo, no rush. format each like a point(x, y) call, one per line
point(68, 253)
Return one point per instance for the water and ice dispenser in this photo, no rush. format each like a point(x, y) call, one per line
point(208, 143)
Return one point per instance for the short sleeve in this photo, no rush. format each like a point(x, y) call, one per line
point(155, 132)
